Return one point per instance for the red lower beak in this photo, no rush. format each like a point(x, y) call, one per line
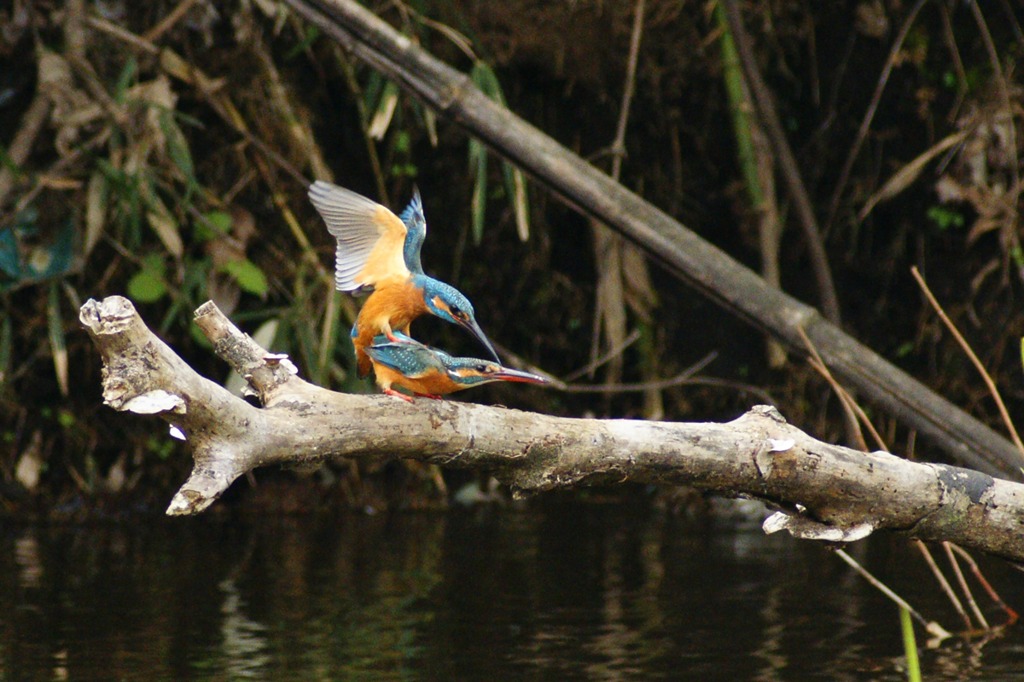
point(520, 377)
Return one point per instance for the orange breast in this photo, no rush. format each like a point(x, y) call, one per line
point(436, 383)
point(391, 307)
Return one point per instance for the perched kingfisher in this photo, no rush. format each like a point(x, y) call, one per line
point(380, 252)
point(406, 363)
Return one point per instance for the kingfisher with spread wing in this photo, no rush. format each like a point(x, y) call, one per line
point(379, 252)
point(400, 361)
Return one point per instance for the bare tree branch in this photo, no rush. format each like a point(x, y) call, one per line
point(823, 491)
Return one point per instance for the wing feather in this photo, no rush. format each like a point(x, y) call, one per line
point(416, 226)
point(370, 237)
point(413, 360)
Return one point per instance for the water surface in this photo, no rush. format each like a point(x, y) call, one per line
point(577, 592)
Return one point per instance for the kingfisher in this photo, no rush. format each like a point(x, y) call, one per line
point(379, 252)
point(401, 361)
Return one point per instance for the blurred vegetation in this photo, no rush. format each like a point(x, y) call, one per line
point(161, 150)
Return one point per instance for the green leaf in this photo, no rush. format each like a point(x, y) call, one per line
point(515, 188)
point(384, 112)
point(486, 80)
point(212, 225)
point(10, 259)
point(199, 337)
point(905, 349)
point(910, 646)
point(66, 419)
point(403, 143)
point(483, 77)
point(312, 33)
point(372, 92)
point(177, 149)
point(1017, 255)
point(148, 284)
point(7, 162)
point(161, 447)
point(478, 169)
point(248, 276)
point(124, 80)
point(145, 287)
point(945, 218)
point(58, 344)
point(162, 221)
point(96, 196)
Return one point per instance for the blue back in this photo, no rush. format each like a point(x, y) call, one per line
point(408, 356)
point(416, 232)
point(414, 359)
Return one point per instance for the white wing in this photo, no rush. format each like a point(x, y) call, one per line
point(370, 237)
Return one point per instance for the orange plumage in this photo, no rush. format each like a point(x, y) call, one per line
point(421, 370)
point(433, 384)
point(395, 303)
point(379, 252)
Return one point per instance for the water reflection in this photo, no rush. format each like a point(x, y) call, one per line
point(576, 592)
point(244, 641)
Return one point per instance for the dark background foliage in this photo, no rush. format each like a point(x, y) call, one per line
point(164, 156)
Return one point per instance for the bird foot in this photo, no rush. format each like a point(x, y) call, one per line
point(432, 396)
point(397, 394)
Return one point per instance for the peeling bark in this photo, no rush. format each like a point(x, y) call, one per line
point(823, 491)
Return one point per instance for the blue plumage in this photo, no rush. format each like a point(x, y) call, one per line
point(379, 252)
point(416, 226)
point(424, 370)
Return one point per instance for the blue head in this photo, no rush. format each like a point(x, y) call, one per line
point(416, 232)
point(468, 372)
point(448, 303)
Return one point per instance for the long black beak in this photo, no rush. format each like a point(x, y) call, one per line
point(476, 331)
point(506, 374)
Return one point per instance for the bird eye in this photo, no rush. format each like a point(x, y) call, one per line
point(486, 369)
